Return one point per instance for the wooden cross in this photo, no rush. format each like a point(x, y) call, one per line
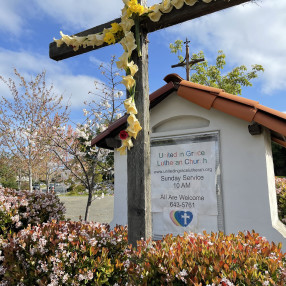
point(186, 62)
point(138, 158)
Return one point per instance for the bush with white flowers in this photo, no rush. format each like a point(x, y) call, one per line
point(18, 209)
point(66, 253)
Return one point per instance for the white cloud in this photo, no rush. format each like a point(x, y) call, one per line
point(10, 18)
point(72, 15)
point(248, 34)
point(74, 88)
point(77, 15)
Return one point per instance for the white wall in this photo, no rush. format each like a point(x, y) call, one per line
point(120, 190)
point(248, 184)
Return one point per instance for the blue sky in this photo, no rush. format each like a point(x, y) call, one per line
point(249, 34)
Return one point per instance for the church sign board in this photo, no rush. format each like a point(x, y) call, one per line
point(185, 184)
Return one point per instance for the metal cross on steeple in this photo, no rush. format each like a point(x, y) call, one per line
point(186, 62)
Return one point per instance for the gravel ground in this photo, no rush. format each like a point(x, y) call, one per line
point(101, 210)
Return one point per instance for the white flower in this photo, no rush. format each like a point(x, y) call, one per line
point(128, 81)
point(132, 67)
point(118, 115)
point(95, 39)
point(85, 112)
point(183, 272)
point(191, 2)
point(87, 143)
point(15, 218)
point(119, 94)
point(123, 61)
point(89, 275)
point(65, 277)
point(178, 4)
point(126, 24)
point(81, 277)
point(128, 43)
point(156, 14)
point(106, 104)
point(166, 6)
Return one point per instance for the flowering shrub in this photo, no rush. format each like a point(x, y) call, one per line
point(20, 208)
point(281, 198)
point(215, 259)
point(77, 253)
point(66, 253)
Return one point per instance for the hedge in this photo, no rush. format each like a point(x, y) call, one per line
point(78, 253)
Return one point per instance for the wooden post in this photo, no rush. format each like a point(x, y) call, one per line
point(138, 158)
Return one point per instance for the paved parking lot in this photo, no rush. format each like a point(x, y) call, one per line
point(101, 210)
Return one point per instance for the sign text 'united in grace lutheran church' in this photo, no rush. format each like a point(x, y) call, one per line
point(185, 183)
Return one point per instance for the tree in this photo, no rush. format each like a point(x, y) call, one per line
point(23, 116)
point(211, 75)
point(7, 171)
point(49, 166)
point(72, 146)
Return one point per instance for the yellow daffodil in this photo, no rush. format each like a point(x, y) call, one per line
point(207, 1)
point(191, 2)
point(115, 27)
point(178, 4)
point(127, 143)
point(132, 67)
point(109, 38)
point(138, 9)
point(128, 81)
point(134, 7)
point(155, 14)
point(128, 43)
point(122, 150)
point(123, 61)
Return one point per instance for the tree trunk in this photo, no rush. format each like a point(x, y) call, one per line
point(88, 204)
point(19, 179)
point(47, 182)
point(30, 179)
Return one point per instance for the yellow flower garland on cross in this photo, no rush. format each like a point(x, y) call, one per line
point(122, 33)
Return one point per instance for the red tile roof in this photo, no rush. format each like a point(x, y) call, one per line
point(210, 97)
